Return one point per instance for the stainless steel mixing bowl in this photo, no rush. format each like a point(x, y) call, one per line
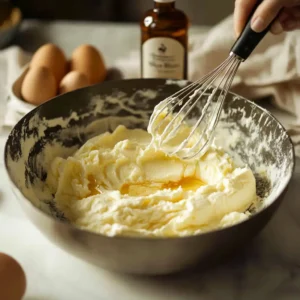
point(61, 125)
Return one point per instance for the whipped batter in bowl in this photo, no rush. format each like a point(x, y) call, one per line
point(119, 184)
point(58, 136)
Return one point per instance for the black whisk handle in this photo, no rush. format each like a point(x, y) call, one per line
point(249, 39)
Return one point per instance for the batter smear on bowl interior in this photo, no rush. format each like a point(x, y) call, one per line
point(119, 183)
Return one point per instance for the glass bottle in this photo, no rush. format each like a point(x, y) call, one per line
point(164, 42)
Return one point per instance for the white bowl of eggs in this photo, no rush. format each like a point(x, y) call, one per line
point(49, 74)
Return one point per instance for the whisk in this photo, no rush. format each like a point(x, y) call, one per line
point(173, 114)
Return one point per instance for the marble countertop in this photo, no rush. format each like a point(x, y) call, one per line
point(268, 269)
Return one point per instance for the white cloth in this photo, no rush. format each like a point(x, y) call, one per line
point(12, 60)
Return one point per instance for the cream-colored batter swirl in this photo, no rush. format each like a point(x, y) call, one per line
point(119, 184)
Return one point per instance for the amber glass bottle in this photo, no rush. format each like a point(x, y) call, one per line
point(164, 42)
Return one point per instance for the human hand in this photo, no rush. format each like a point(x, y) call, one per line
point(287, 20)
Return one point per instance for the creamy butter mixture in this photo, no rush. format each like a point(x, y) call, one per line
point(120, 184)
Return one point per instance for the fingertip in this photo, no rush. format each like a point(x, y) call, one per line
point(237, 32)
point(276, 33)
point(265, 14)
point(237, 27)
point(236, 22)
point(276, 28)
point(241, 13)
point(258, 24)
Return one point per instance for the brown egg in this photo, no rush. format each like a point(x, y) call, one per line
point(88, 60)
point(51, 57)
point(73, 81)
point(38, 86)
point(12, 279)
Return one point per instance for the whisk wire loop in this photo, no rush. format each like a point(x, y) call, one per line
point(214, 86)
point(170, 132)
point(207, 133)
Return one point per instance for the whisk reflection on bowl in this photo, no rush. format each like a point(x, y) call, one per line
point(172, 124)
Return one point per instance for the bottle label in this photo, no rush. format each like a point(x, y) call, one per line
point(163, 58)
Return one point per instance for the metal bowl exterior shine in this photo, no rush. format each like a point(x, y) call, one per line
point(27, 170)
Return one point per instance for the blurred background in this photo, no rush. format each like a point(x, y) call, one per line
point(201, 12)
